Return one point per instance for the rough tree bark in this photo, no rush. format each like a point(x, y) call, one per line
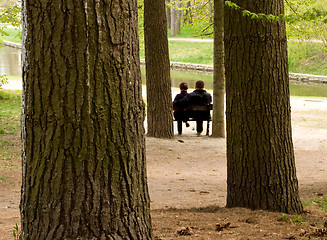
point(158, 83)
point(260, 156)
point(218, 119)
point(84, 174)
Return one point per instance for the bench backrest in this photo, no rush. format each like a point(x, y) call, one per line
point(193, 112)
point(195, 108)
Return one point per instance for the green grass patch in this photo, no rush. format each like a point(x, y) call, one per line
point(191, 32)
point(14, 35)
point(10, 102)
point(307, 57)
point(189, 52)
point(11, 77)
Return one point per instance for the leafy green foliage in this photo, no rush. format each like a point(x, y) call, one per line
point(11, 15)
point(140, 6)
point(307, 19)
point(3, 80)
point(197, 14)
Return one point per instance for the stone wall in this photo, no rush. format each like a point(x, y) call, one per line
point(12, 44)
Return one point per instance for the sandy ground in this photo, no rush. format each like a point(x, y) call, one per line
point(187, 184)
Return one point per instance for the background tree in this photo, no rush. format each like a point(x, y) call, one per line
point(178, 5)
point(84, 174)
point(260, 156)
point(218, 120)
point(172, 21)
point(307, 20)
point(168, 13)
point(158, 83)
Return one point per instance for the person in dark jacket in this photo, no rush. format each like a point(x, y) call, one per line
point(179, 103)
point(199, 97)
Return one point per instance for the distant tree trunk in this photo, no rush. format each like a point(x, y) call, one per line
point(188, 14)
point(172, 22)
point(260, 156)
point(84, 172)
point(178, 18)
point(168, 13)
point(218, 120)
point(158, 83)
point(211, 11)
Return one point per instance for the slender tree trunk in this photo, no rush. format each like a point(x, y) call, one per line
point(84, 174)
point(260, 156)
point(211, 11)
point(168, 13)
point(178, 18)
point(158, 83)
point(172, 22)
point(218, 120)
point(188, 14)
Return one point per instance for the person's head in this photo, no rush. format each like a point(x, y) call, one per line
point(183, 86)
point(199, 84)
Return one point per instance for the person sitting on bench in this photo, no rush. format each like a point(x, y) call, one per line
point(199, 97)
point(181, 102)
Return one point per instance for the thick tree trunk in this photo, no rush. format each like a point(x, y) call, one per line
point(218, 120)
point(84, 174)
point(260, 157)
point(158, 84)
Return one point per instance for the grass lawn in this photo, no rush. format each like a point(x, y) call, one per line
point(9, 112)
point(14, 35)
point(303, 57)
point(9, 134)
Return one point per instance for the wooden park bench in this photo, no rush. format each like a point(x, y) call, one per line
point(194, 113)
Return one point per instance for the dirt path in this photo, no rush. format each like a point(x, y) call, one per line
point(187, 183)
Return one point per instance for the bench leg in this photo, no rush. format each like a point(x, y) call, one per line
point(208, 125)
point(179, 127)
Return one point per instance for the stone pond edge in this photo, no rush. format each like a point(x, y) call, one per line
point(295, 78)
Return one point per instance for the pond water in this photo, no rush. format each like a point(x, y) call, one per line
point(10, 64)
